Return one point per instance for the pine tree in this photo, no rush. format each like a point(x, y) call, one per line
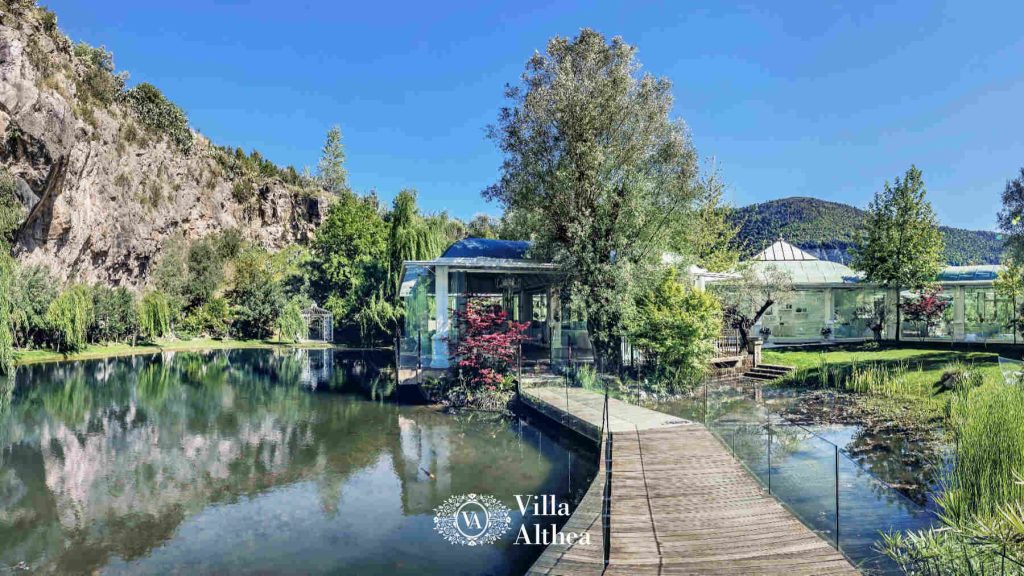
point(901, 246)
point(331, 169)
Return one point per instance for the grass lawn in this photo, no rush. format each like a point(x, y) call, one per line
point(22, 356)
point(923, 402)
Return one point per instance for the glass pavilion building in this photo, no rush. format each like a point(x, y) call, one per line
point(833, 303)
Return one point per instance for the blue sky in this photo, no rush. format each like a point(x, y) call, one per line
point(790, 99)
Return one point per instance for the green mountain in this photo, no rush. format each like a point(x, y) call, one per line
point(828, 229)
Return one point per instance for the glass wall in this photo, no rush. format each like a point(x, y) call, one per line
point(803, 316)
point(417, 292)
point(857, 311)
point(987, 315)
point(941, 327)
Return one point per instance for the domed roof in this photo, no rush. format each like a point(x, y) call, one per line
point(488, 248)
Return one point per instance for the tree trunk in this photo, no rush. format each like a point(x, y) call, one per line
point(899, 309)
point(1013, 319)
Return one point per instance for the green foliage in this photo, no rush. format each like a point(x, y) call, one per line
point(213, 319)
point(246, 170)
point(97, 82)
point(6, 328)
point(331, 173)
point(69, 317)
point(676, 327)
point(154, 315)
point(159, 114)
point(33, 289)
point(829, 230)
point(482, 226)
point(290, 324)
point(205, 271)
point(1011, 216)
point(170, 274)
point(708, 235)
point(412, 237)
point(115, 315)
point(11, 210)
point(746, 299)
point(1010, 284)
point(594, 161)
point(986, 423)
point(257, 296)
point(901, 246)
point(981, 504)
point(349, 257)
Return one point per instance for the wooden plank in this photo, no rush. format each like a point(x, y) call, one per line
point(681, 504)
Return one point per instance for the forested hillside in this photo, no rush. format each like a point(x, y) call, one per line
point(828, 230)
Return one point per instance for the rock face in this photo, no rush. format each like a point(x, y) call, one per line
point(102, 192)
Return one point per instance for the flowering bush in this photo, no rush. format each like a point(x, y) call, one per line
point(488, 342)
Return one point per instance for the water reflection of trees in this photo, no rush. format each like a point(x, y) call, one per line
point(108, 458)
point(121, 452)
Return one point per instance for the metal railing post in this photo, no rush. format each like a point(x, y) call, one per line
point(519, 380)
point(769, 453)
point(837, 497)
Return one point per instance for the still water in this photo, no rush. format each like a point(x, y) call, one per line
point(255, 462)
point(845, 494)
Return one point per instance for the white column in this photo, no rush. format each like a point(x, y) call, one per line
point(440, 339)
point(554, 309)
point(959, 312)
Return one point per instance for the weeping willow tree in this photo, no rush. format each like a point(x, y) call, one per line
point(69, 316)
point(290, 323)
point(6, 335)
point(411, 236)
point(415, 237)
point(154, 315)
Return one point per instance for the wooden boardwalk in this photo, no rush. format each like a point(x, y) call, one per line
point(680, 504)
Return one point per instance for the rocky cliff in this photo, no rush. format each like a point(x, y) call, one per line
point(106, 175)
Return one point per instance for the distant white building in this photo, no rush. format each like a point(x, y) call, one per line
point(834, 303)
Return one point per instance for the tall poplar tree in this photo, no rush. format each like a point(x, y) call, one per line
point(900, 246)
point(594, 160)
point(330, 169)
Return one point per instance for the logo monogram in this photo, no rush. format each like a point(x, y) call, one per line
point(472, 519)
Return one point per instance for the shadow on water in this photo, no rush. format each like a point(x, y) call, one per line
point(235, 462)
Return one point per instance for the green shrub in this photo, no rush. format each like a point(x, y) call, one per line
point(97, 81)
point(676, 327)
point(11, 210)
point(115, 315)
point(159, 114)
point(69, 317)
point(959, 377)
point(213, 319)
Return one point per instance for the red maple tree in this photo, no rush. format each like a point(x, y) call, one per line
point(928, 307)
point(488, 342)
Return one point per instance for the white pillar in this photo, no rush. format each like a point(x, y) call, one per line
point(555, 326)
point(440, 339)
point(959, 313)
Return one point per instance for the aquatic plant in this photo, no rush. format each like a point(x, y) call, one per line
point(981, 505)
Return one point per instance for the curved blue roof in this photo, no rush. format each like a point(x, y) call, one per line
point(487, 248)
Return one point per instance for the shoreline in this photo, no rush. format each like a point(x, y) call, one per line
point(23, 357)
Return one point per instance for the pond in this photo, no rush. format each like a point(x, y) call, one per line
point(256, 461)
